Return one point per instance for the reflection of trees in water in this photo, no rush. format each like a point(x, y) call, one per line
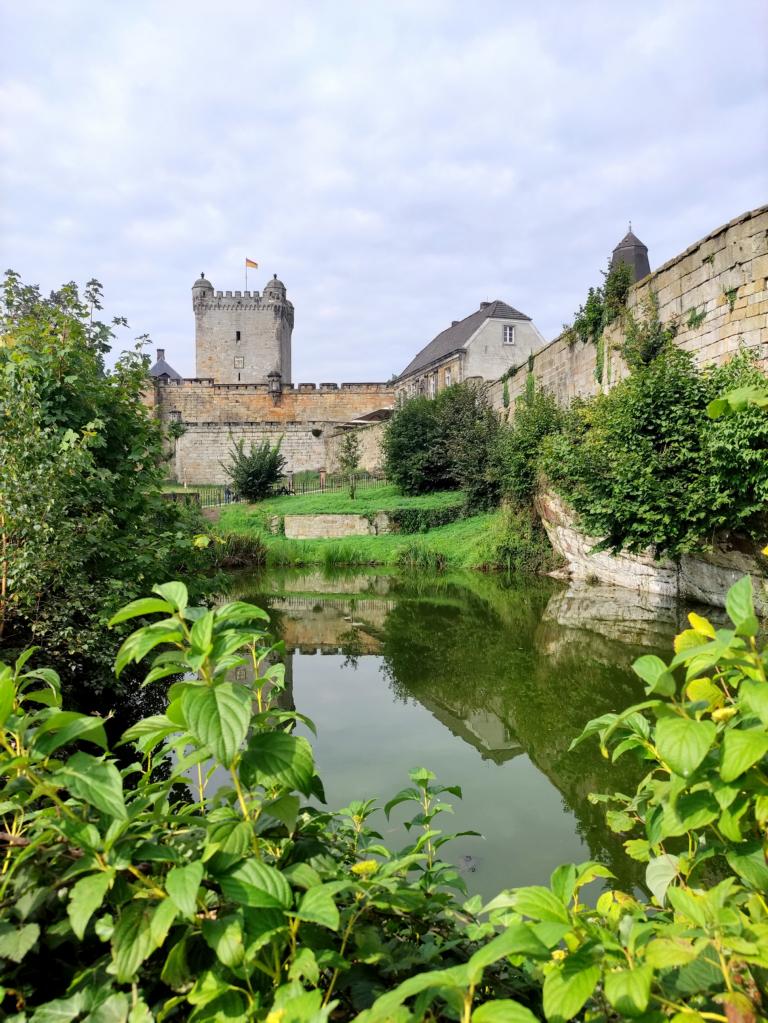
point(465, 654)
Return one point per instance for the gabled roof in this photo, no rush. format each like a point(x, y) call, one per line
point(453, 338)
point(163, 369)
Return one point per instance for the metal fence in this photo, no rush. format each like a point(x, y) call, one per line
point(300, 483)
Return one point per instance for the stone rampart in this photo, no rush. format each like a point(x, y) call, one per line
point(716, 291)
point(201, 400)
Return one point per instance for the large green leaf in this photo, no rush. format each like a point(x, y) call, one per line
point(63, 727)
point(517, 939)
point(253, 883)
point(748, 861)
point(567, 988)
point(96, 782)
point(218, 717)
point(317, 906)
point(754, 697)
point(503, 1011)
point(654, 672)
point(225, 937)
point(7, 696)
point(85, 898)
point(138, 608)
point(60, 1010)
point(540, 903)
point(275, 758)
point(741, 749)
point(182, 884)
point(132, 939)
point(15, 942)
point(629, 991)
point(683, 743)
point(175, 593)
point(740, 607)
point(660, 873)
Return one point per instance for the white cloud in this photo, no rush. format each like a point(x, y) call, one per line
point(395, 162)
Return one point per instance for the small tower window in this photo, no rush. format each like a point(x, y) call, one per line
point(509, 335)
point(239, 362)
point(237, 335)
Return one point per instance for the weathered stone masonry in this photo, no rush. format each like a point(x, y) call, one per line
point(724, 276)
point(305, 416)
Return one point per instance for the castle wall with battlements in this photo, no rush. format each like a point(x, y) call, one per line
point(305, 416)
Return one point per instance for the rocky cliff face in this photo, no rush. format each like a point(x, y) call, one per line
point(705, 578)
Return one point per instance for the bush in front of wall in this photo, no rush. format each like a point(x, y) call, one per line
point(517, 445)
point(254, 473)
point(645, 466)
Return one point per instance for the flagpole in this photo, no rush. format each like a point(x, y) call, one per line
point(246, 275)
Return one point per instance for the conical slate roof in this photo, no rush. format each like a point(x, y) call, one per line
point(634, 253)
point(456, 336)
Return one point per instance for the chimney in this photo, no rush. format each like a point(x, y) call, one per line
point(484, 305)
point(160, 354)
point(454, 322)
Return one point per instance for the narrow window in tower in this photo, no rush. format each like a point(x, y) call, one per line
point(237, 335)
point(238, 378)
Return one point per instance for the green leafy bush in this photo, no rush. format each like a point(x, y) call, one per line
point(419, 520)
point(644, 465)
point(414, 459)
point(517, 445)
point(604, 305)
point(192, 884)
point(254, 473)
point(83, 522)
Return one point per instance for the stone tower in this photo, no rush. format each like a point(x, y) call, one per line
point(631, 251)
point(242, 336)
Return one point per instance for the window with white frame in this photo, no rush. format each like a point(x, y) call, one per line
point(448, 378)
point(509, 334)
point(433, 385)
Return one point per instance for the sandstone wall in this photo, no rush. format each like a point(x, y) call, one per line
point(724, 277)
point(203, 401)
point(370, 437)
point(204, 446)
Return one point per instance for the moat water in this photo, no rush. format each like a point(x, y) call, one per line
point(483, 680)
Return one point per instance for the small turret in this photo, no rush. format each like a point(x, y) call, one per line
point(631, 251)
point(201, 287)
point(274, 289)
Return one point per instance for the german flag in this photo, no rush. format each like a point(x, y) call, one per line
point(251, 263)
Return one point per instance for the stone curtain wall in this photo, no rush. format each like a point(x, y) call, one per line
point(370, 437)
point(724, 276)
point(203, 401)
point(204, 446)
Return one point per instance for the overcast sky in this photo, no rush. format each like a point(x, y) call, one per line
point(395, 162)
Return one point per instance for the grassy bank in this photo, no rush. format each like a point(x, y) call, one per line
point(240, 518)
point(423, 540)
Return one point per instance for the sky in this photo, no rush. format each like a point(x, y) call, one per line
point(394, 162)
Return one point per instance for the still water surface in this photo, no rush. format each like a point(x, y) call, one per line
point(485, 682)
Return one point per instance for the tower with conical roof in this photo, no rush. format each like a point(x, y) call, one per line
point(242, 337)
point(631, 251)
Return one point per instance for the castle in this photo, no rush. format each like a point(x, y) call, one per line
point(243, 389)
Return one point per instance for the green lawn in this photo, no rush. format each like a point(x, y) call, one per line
point(239, 518)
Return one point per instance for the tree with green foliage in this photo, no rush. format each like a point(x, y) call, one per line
point(349, 459)
point(603, 306)
point(82, 515)
point(414, 459)
point(467, 432)
point(254, 473)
